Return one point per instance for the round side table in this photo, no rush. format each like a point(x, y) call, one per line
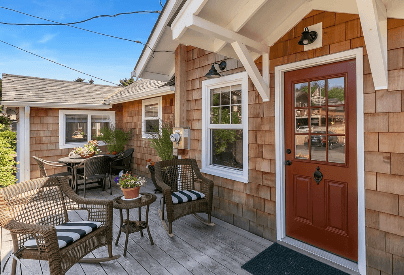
point(127, 226)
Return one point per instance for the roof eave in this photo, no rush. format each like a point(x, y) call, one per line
point(165, 90)
point(54, 105)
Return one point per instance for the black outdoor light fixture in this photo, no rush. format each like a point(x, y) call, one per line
point(213, 72)
point(308, 37)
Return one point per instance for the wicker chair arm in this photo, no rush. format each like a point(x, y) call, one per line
point(25, 228)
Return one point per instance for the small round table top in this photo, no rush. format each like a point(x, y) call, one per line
point(70, 160)
point(145, 199)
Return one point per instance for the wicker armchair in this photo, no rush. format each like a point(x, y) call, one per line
point(30, 210)
point(176, 176)
point(122, 162)
point(95, 169)
point(41, 163)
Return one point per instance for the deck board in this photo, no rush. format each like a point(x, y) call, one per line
point(195, 249)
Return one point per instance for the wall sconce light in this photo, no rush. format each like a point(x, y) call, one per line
point(308, 37)
point(213, 72)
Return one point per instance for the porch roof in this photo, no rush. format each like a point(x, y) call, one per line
point(20, 91)
point(142, 88)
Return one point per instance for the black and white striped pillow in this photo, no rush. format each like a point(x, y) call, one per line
point(186, 195)
point(69, 232)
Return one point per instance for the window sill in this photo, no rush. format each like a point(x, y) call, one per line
point(228, 173)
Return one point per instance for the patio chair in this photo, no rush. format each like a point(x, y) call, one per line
point(36, 214)
point(178, 179)
point(96, 169)
point(42, 171)
point(122, 161)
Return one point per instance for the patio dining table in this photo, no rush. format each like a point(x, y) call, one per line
point(71, 162)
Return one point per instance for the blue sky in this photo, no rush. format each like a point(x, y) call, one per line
point(104, 57)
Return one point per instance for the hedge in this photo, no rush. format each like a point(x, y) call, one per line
point(8, 168)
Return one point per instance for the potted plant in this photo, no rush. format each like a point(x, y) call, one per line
point(130, 184)
point(87, 151)
point(164, 148)
point(115, 139)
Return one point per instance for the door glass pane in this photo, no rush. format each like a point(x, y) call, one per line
point(318, 116)
point(227, 148)
point(336, 91)
point(302, 120)
point(302, 146)
point(152, 110)
point(318, 148)
point(301, 94)
point(76, 128)
point(336, 120)
point(97, 123)
point(336, 149)
point(317, 94)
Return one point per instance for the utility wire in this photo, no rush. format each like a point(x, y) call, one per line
point(66, 24)
point(78, 22)
point(57, 63)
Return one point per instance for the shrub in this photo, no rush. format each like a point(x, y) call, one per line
point(8, 168)
point(115, 139)
point(161, 141)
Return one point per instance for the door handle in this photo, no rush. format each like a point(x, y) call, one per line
point(318, 176)
point(288, 162)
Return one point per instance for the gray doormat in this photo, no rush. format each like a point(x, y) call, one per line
point(280, 260)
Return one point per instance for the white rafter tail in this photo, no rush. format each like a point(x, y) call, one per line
point(252, 70)
point(373, 18)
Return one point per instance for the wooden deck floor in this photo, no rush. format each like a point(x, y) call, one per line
point(195, 248)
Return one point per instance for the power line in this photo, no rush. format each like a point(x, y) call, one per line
point(78, 22)
point(66, 24)
point(57, 63)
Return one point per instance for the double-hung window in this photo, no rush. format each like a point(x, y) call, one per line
point(77, 127)
point(151, 116)
point(225, 127)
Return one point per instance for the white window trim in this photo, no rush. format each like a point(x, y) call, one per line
point(159, 101)
point(217, 170)
point(62, 125)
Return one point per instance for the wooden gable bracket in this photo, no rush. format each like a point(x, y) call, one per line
point(240, 44)
point(373, 17)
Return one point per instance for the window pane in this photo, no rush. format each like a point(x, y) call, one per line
point(152, 126)
point(215, 115)
point(215, 97)
point(236, 94)
point(225, 115)
point(336, 120)
point(227, 148)
point(236, 114)
point(152, 110)
point(97, 123)
point(225, 96)
point(76, 128)
point(302, 146)
point(302, 120)
point(301, 94)
point(317, 95)
point(336, 149)
point(336, 91)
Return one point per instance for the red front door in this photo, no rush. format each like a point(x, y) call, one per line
point(321, 168)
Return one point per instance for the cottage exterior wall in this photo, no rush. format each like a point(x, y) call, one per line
point(44, 135)
point(252, 205)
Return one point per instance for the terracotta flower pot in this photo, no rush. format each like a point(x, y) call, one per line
point(131, 193)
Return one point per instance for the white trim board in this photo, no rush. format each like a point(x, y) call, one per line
point(356, 54)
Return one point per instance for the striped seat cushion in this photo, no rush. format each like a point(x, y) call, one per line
point(186, 195)
point(68, 233)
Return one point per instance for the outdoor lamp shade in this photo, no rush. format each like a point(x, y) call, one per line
point(308, 37)
point(213, 72)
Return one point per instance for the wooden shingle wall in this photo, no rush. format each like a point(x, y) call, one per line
point(132, 120)
point(44, 133)
point(251, 206)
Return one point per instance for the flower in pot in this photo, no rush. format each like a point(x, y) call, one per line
point(130, 184)
point(115, 139)
point(87, 151)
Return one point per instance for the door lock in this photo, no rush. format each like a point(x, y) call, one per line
point(288, 162)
